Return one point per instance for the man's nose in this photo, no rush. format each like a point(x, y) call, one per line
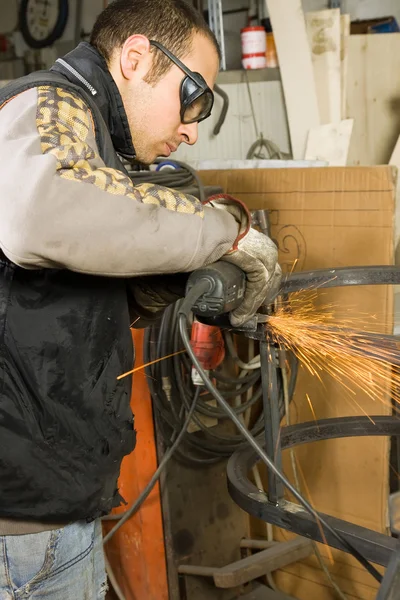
point(189, 132)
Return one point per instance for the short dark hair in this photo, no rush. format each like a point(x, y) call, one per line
point(170, 22)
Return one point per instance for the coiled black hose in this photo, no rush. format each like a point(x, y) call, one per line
point(185, 179)
point(172, 392)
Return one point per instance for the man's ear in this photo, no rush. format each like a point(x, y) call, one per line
point(135, 58)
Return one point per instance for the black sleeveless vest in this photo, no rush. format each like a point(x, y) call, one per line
point(65, 419)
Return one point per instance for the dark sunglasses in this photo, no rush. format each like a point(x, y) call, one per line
point(197, 98)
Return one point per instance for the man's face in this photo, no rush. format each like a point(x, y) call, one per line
point(153, 111)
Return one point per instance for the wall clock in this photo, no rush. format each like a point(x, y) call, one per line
point(42, 22)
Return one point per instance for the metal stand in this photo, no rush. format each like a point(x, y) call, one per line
point(271, 417)
point(376, 547)
point(273, 508)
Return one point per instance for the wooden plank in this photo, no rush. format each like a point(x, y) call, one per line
point(373, 97)
point(344, 60)
point(297, 72)
point(263, 562)
point(323, 30)
point(395, 162)
point(331, 143)
point(395, 158)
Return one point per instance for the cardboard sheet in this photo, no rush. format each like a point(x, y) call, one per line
point(332, 217)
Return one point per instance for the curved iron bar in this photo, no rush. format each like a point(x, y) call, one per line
point(373, 546)
point(329, 278)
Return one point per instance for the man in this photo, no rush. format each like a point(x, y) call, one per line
point(78, 241)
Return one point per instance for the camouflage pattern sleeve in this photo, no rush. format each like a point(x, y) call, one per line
point(62, 207)
point(65, 126)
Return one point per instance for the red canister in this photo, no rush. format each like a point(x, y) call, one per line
point(254, 47)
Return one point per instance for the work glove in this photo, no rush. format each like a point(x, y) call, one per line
point(254, 253)
point(148, 297)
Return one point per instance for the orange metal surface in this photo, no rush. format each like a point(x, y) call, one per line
point(136, 552)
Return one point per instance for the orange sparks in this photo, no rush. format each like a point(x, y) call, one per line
point(293, 266)
point(312, 408)
point(134, 323)
point(342, 347)
point(153, 362)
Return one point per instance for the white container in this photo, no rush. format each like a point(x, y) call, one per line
point(254, 47)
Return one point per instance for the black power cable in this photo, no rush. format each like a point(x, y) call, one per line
point(171, 388)
point(184, 179)
point(183, 315)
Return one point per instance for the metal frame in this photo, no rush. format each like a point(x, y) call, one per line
point(343, 277)
point(216, 23)
point(376, 547)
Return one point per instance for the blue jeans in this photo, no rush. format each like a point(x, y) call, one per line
point(64, 564)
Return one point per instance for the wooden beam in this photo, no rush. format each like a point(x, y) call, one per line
point(297, 73)
point(263, 562)
point(373, 97)
point(395, 162)
point(323, 30)
point(344, 60)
